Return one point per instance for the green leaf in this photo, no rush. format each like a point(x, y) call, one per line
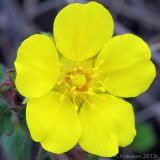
point(22, 118)
point(12, 75)
point(8, 127)
point(145, 139)
point(5, 118)
point(2, 73)
point(3, 104)
point(1, 126)
point(92, 157)
point(17, 146)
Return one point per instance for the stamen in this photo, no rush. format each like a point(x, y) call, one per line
point(95, 68)
point(90, 104)
point(74, 104)
point(73, 88)
point(100, 88)
point(94, 75)
point(101, 97)
point(71, 76)
point(90, 91)
point(63, 96)
point(80, 68)
point(100, 82)
point(59, 82)
point(75, 107)
point(75, 92)
point(75, 69)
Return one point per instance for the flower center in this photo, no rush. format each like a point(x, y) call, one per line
point(78, 79)
point(79, 82)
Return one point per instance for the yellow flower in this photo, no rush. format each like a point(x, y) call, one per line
point(74, 80)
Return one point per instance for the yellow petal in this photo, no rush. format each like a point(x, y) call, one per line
point(125, 66)
point(80, 30)
point(107, 122)
point(53, 122)
point(36, 66)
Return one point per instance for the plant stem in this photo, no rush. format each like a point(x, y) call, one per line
point(40, 154)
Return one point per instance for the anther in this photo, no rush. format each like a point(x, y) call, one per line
point(102, 89)
point(75, 92)
point(75, 107)
point(80, 67)
point(59, 82)
point(90, 89)
point(71, 76)
point(75, 69)
point(73, 88)
point(94, 75)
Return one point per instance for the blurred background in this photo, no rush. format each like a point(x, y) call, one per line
point(21, 18)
